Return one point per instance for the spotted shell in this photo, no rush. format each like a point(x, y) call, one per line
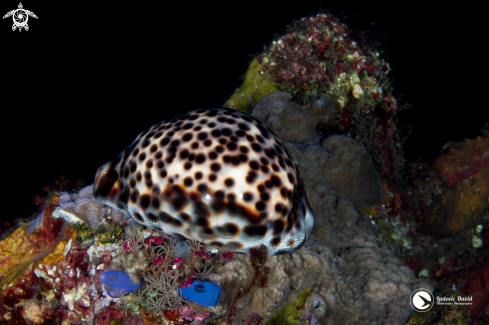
point(219, 176)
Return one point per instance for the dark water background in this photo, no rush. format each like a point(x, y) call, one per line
point(90, 75)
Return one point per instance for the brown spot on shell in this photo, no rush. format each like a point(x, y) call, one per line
point(275, 241)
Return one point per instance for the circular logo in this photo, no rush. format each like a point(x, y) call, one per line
point(422, 300)
point(20, 17)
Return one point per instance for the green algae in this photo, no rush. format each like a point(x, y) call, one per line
point(291, 313)
point(256, 85)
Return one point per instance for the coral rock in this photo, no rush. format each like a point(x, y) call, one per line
point(291, 121)
point(462, 160)
point(347, 167)
point(345, 164)
point(458, 208)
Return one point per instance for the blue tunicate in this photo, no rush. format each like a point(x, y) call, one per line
point(203, 293)
point(181, 250)
point(119, 283)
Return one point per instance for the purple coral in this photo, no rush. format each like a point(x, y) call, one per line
point(308, 319)
point(189, 314)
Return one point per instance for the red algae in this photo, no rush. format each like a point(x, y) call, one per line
point(463, 160)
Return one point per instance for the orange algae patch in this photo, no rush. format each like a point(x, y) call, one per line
point(463, 160)
point(22, 247)
point(61, 249)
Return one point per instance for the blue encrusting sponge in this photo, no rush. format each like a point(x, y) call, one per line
point(119, 283)
point(203, 293)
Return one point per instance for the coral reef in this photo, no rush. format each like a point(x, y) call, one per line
point(328, 96)
point(477, 285)
point(452, 197)
point(456, 195)
point(88, 210)
point(318, 59)
point(439, 225)
point(353, 279)
point(149, 256)
point(258, 261)
point(60, 280)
